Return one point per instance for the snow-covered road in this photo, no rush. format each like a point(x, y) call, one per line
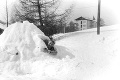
point(97, 57)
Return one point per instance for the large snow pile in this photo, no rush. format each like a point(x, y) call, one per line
point(22, 38)
point(25, 39)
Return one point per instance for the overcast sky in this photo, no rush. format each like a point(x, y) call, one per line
point(110, 11)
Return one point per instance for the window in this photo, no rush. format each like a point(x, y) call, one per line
point(84, 25)
point(81, 26)
point(84, 21)
point(81, 22)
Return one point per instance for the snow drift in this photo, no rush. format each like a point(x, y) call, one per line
point(22, 38)
point(97, 57)
point(21, 53)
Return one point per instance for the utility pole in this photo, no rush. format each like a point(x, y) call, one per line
point(7, 13)
point(98, 18)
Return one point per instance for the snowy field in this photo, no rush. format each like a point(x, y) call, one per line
point(81, 55)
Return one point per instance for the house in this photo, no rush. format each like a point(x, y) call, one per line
point(86, 23)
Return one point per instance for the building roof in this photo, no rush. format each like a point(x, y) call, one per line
point(82, 18)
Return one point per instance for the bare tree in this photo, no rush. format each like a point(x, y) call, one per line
point(42, 13)
point(32, 9)
point(64, 18)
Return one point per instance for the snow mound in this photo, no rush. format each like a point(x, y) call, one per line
point(21, 54)
point(22, 38)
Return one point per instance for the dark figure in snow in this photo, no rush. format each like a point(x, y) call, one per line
point(17, 53)
point(50, 46)
point(1, 31)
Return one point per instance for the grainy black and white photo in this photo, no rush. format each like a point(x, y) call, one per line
point(59, 39)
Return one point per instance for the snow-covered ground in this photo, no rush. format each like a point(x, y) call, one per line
point(81, 55)
point(96, 56)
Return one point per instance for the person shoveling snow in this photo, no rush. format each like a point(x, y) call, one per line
point(26, 40)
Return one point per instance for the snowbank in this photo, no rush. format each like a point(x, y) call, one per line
point(21, 55)
point(22, 38)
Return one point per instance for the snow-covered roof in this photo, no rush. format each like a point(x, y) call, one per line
point(82, 18)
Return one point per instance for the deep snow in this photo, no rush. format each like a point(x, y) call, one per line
point(82, 55)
